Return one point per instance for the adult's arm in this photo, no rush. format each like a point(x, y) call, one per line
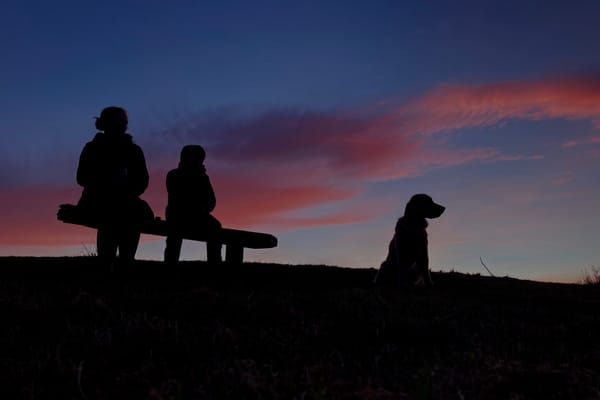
point(138, 172)
point(85, 168)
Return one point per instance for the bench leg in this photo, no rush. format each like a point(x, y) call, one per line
point(234, 254)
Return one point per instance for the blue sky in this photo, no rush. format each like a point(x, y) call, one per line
point(320, 120)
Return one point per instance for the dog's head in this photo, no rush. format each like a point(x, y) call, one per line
point(422, 206)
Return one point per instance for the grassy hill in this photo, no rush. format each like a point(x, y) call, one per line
point(72, 329)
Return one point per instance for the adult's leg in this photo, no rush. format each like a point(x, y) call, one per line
point(106, 244)
point(213, 252)
point(128, 244)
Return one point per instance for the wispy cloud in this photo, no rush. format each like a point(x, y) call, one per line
point(295, 158)
point(365, 144)
point(248, 202)
point(564, 178)
point(268, 166)
point(580, 142)
point(451, 107)
point(279, 141)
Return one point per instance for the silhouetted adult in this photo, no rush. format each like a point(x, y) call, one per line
point(191, 200)
point(112, 170)
point(407, 261)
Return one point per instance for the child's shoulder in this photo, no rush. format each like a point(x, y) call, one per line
point(187, 173)
point(174, 171)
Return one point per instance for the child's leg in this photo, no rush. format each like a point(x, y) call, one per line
point(173, 249)
point(213, 247)
point(213, 252)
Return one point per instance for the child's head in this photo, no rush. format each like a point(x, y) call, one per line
point(112, 120)
point(192, 155)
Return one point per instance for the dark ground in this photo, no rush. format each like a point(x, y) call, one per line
point(71, 330)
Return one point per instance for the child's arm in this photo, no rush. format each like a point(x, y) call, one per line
point(210, 198)
point(138, 174)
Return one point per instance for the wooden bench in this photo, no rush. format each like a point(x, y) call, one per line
point(235, 240)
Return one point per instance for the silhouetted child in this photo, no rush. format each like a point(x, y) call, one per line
point(112, 170)
point(191, 200)
point(407, 261)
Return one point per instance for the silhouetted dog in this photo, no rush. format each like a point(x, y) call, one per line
point(407, 261)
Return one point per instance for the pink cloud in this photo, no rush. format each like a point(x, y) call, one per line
point(589, 140)
point(334, 147)
point(453, 107)
point(563, 179)
point(267, 167)
point(29, 213)
point(360, 144)
point(342, 142)
point(243, 202)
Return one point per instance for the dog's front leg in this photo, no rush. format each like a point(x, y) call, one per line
point(423, 268)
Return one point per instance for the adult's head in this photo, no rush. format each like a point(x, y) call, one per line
point(423, 206)
point(192, 155)
point(112, 120)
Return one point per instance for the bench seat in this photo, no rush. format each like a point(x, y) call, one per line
point(235, 240)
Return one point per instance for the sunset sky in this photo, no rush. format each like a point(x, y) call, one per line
point(320, 120)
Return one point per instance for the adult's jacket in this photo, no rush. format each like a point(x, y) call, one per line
point(112, 170)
